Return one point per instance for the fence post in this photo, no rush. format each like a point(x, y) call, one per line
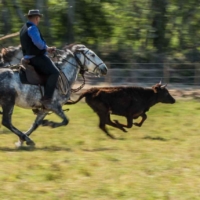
point(166, 73)
point(108, 77)
point(196, 74)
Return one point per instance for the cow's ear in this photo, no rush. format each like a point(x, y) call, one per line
point(155, 89)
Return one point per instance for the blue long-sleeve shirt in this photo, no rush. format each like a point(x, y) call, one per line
point(34, 34)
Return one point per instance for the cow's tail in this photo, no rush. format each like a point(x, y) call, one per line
point(74, 102)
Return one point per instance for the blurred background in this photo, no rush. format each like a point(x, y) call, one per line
point(140, 41)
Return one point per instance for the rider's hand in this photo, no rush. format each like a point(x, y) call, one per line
point(51, 49)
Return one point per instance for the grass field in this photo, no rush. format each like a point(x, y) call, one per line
point(159, 161)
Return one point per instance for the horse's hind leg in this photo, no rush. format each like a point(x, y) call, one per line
point(7, 122)
point(58, 111)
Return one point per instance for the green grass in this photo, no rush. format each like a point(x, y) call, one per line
point(159, 161)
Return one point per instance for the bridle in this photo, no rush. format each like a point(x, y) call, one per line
point(85, 57)
point(82, 69)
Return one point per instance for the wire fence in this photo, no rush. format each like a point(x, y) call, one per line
point(177, 75)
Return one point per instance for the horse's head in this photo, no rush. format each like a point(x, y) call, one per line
point(11, 55)
point(88, 60)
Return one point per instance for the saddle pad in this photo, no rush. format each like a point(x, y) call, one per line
point(22, 76)
point(29, 76)
point(34, 77)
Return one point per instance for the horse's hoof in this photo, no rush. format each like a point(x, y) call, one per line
point(30, 143)
point(45, 122)
point(53, 125)
point(19, 144)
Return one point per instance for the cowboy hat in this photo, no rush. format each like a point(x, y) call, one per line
point(34, 12)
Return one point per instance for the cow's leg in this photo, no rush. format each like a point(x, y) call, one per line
point(104, 119)
point(116, 125)
point(144, 117)
point(129, 122)
point(102, 124)
point(104, 116)
point(6, 121)
point(58, 111)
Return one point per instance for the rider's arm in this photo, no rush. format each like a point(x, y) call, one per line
point(35, 37)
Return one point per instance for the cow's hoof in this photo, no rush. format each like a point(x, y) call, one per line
point(124, 130)
point(137, 124)
point(111, 136)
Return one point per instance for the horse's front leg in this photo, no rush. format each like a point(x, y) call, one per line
point(38, 121)
point(58, 111)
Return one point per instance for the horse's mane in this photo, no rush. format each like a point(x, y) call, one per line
point(73, 47)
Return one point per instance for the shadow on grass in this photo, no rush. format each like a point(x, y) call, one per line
point(155, 138)
point(27, 148)
point(5, 131)
point(99, 149)
point(51, 149)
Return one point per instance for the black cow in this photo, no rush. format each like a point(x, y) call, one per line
point(130, 102)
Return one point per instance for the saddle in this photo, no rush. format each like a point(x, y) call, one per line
point(29, 75)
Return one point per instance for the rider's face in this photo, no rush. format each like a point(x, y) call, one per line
point(37, 19)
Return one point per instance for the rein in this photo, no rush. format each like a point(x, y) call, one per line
point(82, 71)
point(81, 86)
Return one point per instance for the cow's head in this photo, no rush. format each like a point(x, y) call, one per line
point(162, 93)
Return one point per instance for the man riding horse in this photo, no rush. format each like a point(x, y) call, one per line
point(17, 88)
point(35, 50)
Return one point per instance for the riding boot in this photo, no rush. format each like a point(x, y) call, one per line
point(47, 103)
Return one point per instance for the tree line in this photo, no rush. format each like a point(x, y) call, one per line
point(119, 31)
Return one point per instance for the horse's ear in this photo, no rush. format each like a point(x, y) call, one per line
point(80, 47)
point(68, 52)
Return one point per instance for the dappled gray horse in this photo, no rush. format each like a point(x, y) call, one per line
point(10, 56)
point(13, 92)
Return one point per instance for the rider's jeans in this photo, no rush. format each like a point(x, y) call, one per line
point(44, 65)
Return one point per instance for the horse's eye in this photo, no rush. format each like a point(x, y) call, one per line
point(93, 55)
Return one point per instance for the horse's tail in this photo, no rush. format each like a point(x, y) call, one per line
point(80, 97)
